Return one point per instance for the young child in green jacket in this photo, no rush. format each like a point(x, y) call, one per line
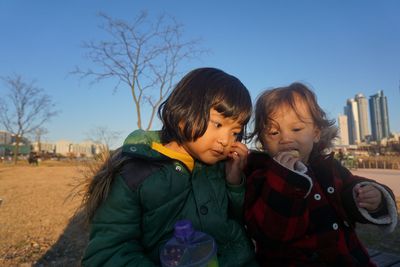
point(191, 169)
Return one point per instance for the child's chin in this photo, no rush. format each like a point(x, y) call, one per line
point(211, 161)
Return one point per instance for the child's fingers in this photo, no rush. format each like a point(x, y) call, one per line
point(357, 188)
point(234, 155)
point(369, 197)
point(283, 157)
point(370, 203)
point(368, 192)
point(365, 189)
point(238, 155)
point(286, 159)
point(369, 206)
point(239, 151)
point(240, 148)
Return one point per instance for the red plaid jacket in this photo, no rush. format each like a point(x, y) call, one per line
point(293, 226)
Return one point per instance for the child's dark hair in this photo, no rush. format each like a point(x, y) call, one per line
point(98, 179)
point(186, 112)
point(268, 102)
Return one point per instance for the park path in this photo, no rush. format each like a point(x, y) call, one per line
point(390, 178)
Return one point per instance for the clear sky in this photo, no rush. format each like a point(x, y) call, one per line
point(339, 48)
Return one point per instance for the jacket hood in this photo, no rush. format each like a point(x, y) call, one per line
point(142, 137)
point(138, 145)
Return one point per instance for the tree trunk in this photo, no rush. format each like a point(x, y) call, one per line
point(16, 149)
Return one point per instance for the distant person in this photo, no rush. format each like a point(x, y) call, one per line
point(191, 169)
point(33, 158)
point(341, 156)
point(301, 204)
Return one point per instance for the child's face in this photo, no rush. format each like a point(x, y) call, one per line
point(215, 144)
point(292, 131)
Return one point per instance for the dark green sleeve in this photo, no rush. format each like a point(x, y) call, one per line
point(236, 199)
point(115, 231)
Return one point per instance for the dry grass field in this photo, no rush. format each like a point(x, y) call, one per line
point(36, 210)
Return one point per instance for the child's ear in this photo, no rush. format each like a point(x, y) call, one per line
point(181, 125)
point(317, 135)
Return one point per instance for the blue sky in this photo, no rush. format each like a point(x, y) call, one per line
point(339, 48)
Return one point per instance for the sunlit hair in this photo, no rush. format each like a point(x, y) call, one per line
point(185, 113)
point(271, 100)
point(187, 107)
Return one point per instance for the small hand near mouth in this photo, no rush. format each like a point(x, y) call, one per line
point(237, 160)
point(288, 158)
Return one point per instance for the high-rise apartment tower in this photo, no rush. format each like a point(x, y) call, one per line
point(351, 111)
point(343, 130)
point(362, 105)
point(379, 116)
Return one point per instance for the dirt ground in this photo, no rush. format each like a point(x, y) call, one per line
point(36, 208)
point(35, 213)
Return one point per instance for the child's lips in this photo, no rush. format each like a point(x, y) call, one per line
point(294, 152)
point(218, 152)
point(288, 149)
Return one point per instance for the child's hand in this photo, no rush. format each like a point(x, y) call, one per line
point(368, 197)
point(287, 158)
point(237, 160)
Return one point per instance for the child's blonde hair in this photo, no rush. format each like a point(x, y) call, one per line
point(270, 100)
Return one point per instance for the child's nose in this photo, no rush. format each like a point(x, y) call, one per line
point(286, 137)
point(223, 141)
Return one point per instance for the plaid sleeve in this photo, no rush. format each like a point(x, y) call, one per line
point(353, 211)
point(348, 181)
point(275, 207)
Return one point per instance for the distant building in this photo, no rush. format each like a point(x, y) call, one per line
point(351, 111)
point(84, 149)
point(343, 130)
point(379, 116)
point(63, 147)
point(22, 141)
point(5, 138)
point(362, 105)
point(44, 147)
point(8, 150)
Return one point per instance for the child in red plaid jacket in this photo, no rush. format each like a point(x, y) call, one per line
point(301, 205)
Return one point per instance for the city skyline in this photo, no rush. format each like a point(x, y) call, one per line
point(338, 49)
point(364, 121)
point(86, 148)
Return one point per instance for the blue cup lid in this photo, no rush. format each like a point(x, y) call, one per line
point(183, 230)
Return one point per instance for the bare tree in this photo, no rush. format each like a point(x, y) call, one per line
point(103, 136)
point(28, 108)
point(39, 133)
point(143, 55)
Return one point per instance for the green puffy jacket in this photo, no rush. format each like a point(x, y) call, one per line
point(150, 193)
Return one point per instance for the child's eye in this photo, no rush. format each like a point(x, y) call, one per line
point(273, 133)
point(236, 134)
point(297, 129)
point(216, 124)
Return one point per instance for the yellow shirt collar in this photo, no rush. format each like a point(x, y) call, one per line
point(184, 158)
